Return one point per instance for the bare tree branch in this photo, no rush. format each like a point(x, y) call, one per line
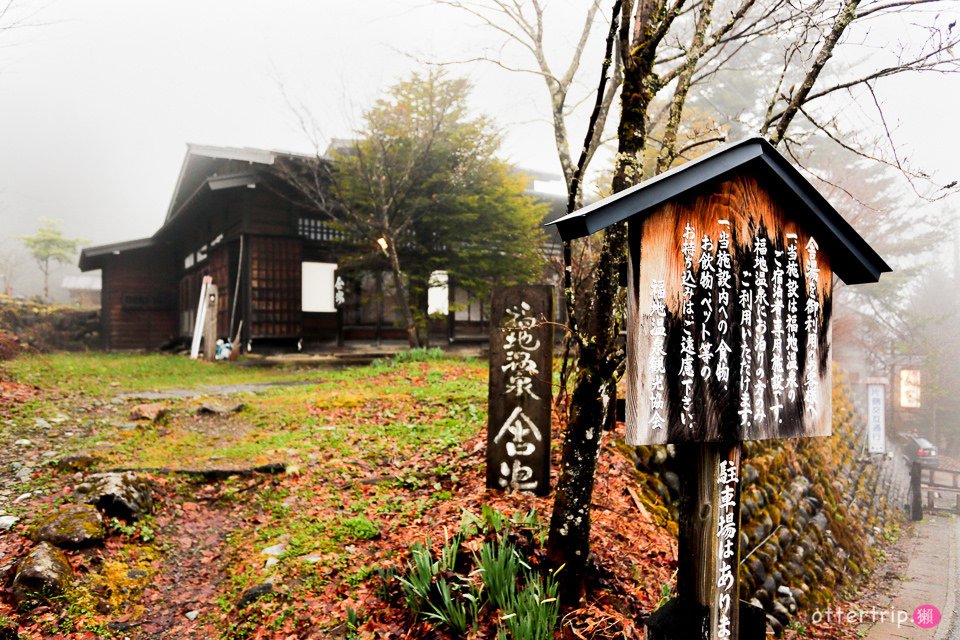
point(845, 16)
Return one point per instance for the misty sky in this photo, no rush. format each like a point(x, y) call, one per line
point(99, 98)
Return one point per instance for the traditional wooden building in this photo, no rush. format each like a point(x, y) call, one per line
point(273, 261)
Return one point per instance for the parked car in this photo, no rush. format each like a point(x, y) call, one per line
point(920, 450)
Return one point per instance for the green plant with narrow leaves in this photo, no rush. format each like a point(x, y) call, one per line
point(416, 584)
point(534, 610)
point(527, 602)
point(458, 606)
point(353, 623)
point(448, 554)
point(495, 521)
point(499, 566)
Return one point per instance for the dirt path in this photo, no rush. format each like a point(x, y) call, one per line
point(189, 528)
point(191, 574)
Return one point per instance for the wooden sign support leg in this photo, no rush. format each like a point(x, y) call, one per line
point(707, 605)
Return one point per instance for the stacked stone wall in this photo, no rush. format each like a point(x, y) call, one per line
point(40, 327)
point(814, 515)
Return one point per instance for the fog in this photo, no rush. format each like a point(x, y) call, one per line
point(98, 99)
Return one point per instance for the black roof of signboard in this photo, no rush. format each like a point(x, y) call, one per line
point(851, 258)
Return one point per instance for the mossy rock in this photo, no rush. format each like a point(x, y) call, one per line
point(76, 462)
point(43, 573)
point(120, 495)
point(73, 526)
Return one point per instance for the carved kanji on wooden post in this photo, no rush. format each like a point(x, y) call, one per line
point(521, 366)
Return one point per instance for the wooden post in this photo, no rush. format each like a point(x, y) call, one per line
point(958, 504)
point(199, 323)
point(339, 299)
point(707, 605)
point(916, 504)
point(210, 325)
point(520, 392)
point(451, 306)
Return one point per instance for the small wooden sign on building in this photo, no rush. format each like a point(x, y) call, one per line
point(521, 393)
point(729, 289)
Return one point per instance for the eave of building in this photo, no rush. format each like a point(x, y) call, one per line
point(93, 257)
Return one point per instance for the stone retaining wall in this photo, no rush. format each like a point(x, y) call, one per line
point(41, 327)
point(813, 511)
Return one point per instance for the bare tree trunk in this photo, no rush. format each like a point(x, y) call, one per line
point(568, 544)
point(46, 280)
point(412, 338)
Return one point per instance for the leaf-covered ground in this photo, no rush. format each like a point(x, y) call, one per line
point(378, 458)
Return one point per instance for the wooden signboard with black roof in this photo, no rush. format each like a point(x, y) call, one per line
point(729, 287)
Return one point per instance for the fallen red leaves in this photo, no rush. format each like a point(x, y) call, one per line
point(210, 537)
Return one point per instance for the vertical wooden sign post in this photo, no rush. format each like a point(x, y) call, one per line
point(729, 300)
point(210, 324)
point(339, 298)
point(521, 391)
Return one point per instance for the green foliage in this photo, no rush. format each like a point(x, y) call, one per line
point(534, 610)
point(448, 554)
point(49, 244)
point(352, 622)
point(499, 565)
point(423, 176)
point(138, 529)
point(416, 584)
point(456, 607)
point(360, 528)
point(493, 519)
point(94, 372)
point(666, 591)
point(420, 354)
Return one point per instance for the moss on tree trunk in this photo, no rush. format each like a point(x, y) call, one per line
point(599, 355)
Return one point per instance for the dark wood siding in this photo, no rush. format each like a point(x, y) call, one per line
point(218, 266)
point(319, 326)
point(138, 300)
point(275, 287)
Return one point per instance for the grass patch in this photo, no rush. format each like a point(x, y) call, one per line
point(368, 450)
point(94, 372)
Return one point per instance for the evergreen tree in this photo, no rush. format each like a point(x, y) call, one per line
point(421, 186)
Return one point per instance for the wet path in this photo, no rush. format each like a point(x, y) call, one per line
point(931, 577)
